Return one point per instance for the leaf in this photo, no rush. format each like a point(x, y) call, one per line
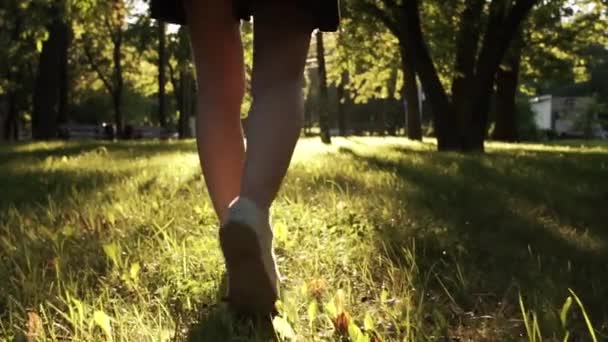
point(355, 333)
point(68, 231)
point(564, 312)
point(383, 296)
point(79, 310)
point(331, 309)
point(111, 218)
point(112, 252)
point(313, 310)
point(368, 322)
point(103, 321)
point(283, 328)
point(340, 300)
point(134, 271)
point(342, 323)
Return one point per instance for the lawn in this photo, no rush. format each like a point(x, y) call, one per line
point(377, 240)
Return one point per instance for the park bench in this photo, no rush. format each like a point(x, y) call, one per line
point(148, 132)
point(78, 131)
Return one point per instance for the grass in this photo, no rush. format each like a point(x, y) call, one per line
point(378, 240)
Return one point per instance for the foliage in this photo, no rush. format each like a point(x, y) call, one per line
point(526, 123)
point(564, 45)
point(558, 37)
point(591, 122)
point(373, 72)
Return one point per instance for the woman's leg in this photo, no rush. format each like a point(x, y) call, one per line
point(218, 55)
point(281, 39)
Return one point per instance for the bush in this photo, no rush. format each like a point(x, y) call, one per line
point(526, 125)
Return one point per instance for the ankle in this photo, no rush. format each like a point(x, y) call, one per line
point(246, 209)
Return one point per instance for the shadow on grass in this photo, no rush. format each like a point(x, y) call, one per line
point(504, 223)
point(33, 186)
point(217, 322)
point(220, 324)
point(125, 149)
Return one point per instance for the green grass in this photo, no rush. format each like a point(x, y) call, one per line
point(378, 240)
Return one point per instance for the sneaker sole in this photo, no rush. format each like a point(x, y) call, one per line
point(250, 289)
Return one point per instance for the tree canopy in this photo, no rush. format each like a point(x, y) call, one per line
point(108, 61)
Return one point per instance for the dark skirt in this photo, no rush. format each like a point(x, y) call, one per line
point(325, 12)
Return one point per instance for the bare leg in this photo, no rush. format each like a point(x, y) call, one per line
point(218, 54)
point(281, 40)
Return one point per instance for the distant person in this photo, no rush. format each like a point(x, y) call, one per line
point(242, 184)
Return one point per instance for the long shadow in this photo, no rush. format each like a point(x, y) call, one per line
point(125, 149)
point(480, 226)
point(31, 187)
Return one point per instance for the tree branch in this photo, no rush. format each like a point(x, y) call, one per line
point(386, 19)
point(467, 44)
point(499, 34)
point(95, 67)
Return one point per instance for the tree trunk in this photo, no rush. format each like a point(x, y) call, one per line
point(46, 99)
point(118, 82)
point(185, 103)
point(467, 133)
point(444, 116)
point(507, 80)
point(323, 95)
point(501, 29)
point(10, 128)
point(410, 93)
point(162, 62)
point(64, 79)
point(467, 42)
point(10, 111)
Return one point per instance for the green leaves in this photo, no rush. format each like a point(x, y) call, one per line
point(112, 251)
point(313, 310)
point(102, 320)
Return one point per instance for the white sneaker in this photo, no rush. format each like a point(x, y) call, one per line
point(246, 240)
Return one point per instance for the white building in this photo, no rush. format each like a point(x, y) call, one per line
point(561, 115)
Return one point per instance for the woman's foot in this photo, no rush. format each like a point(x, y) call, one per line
point(246, 240)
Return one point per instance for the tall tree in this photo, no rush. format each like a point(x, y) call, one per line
point(546, 51)
point(323, 95)
point(370, 54)
point(10, 87)
point(484, 32)
point(182, 79)
point(162, 62)
point(507, 82)
point(50, 92)
point(23, 30)
point(111, 17)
